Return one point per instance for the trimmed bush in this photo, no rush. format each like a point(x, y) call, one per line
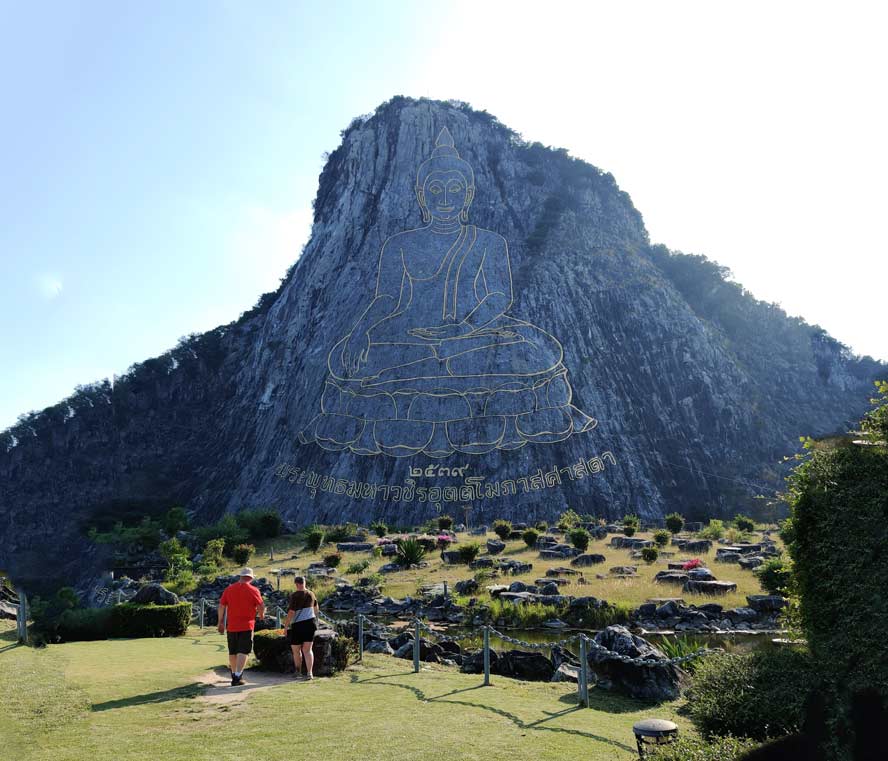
point(269, 646)
point(445, 523)
point(530, 537)
point(675, 522)
point(344, 652)
point(468, 551)
point(84, 624)
point(502, 529)
point(127, 620)
point(650, 554)
point(760, 696)
point(332, 560)
point(242, 553)
point(661, 537)
point(541, 526)
point(579, 538)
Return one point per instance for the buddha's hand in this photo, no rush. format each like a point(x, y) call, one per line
point(355, 353)
point(438, 332)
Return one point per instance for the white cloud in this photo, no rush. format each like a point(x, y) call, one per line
point(49, 286)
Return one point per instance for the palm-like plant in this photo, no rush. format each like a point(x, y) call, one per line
point(410, 552)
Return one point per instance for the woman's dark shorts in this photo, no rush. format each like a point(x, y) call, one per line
point(302, 631)
point(240, 643)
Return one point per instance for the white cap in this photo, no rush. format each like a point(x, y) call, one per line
point(245, 572)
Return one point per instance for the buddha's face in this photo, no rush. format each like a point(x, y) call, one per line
point(445, 194)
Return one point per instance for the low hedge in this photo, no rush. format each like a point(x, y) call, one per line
point(691, 748)
point(127, 620)
point(760, 696)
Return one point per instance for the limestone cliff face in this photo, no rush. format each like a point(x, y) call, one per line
point(697, 398)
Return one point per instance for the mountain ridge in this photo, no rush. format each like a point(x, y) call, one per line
point(696, 405)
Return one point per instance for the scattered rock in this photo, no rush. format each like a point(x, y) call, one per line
point(584, 561)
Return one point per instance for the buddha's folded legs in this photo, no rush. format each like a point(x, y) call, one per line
point(381, 357)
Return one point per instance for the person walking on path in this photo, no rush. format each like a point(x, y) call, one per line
point(301, 624)
point(241, 602)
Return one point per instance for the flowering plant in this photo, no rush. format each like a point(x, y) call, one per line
point(693, 563)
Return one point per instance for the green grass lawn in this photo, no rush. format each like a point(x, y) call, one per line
point(631, 592)
point(141, 699)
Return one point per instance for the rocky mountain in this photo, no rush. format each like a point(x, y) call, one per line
point(605, 374)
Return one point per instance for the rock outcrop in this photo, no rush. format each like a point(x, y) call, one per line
point(697, 389)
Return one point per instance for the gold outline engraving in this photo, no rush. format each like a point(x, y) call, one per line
point(478, 380)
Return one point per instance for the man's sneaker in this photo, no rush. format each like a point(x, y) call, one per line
point(237, 681)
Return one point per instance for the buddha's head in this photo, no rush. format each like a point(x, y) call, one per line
point(445, 184)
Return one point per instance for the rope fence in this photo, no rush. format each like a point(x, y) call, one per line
point(365, 625)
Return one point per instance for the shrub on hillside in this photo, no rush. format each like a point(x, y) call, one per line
point(332, 560)
point(314, 539)
point(675, 522)
point(212, 557)
point(661, 537)
point(84, 624)
point(630, 524)
point(650, 554)
point(242, 553)
point(379, 528)
point(567, 520)
point(744, 523)
point(260, 524)
point(468, 551)
point(530, 537)
point(759, 696)
point(579, 538)
point(775, 576)
point(541, 526)
point(359, 566)
point(502, 529)
point(713, 531)
point(225, 528)
point(176, 519)
point(341, 532)
point(445, 523)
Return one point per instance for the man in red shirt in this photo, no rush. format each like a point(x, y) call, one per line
point(241, 602)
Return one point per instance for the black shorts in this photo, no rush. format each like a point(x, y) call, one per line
point(302, 631)
point(240, 643)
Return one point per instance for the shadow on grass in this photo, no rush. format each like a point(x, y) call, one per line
point(516, 720)
point(162, 696)
point(608, 702)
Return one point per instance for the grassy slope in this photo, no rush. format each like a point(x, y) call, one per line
point(139, 699)
point(629, 591)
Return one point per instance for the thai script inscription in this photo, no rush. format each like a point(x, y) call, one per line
point(471, 489)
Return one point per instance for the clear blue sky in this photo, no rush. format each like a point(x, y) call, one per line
point(159, 160)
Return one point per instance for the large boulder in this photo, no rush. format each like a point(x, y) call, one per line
point(656, 680)
point(452, 557)
point(156, 594)
point(584, 561)
point(701, 574)
point(473, 662)
point(766, 603)
point(354, 547)
point(671, 577)
point(697, 546)
point(709, 587)
point(529, 666)
point(466, 587)
point(495, 546)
